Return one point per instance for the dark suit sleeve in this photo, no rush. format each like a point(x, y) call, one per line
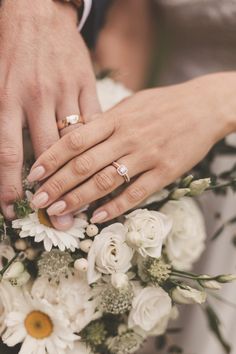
point(95, 21)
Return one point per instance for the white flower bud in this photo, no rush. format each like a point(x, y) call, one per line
point(14, 271)
point(31, 254)
point(134, 239)
point(122, 329)
point(119, 280)
point(187, 180)
point(226, 278)
point(198, 187)
point(188, 295)
point(92, 230)
point(85, 245)
point(180, 193)
point(22, 279)
point(81, 265)
point(21, 245)
point(210, 284)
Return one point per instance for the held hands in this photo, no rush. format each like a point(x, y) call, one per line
point(46, 75)
point(158, 134)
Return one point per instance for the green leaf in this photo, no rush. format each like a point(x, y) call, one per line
point(214, 325)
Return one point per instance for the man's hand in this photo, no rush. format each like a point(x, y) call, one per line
point(45, 75)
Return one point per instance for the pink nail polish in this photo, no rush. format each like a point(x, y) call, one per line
point(36, 174)
point(39, 200)
point(64, 219)
point(99, 217)
point(56, 208)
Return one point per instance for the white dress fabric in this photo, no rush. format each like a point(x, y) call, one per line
point(201, 36)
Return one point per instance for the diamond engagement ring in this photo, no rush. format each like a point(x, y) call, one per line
point(122, 170)
point(69, 120)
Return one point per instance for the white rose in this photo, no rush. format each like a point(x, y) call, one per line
point(109, 253)
point(110, 93)
point(150, 229)
point(186, 240)
point(188, 295)
point(151, 311)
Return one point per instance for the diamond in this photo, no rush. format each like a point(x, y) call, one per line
point(122, 170)
point(73, 119)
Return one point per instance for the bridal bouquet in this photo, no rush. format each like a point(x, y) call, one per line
point(101, 290)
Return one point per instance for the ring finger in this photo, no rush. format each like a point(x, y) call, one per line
point(98, 186)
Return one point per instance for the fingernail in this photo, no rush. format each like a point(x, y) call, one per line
point(36, 174)
point(10, 212)
point(64, 219)
point(56, 208)
point(99, 217)
point(39, 200)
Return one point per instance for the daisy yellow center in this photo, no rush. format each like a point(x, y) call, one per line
point(38, 325)
point(44, 218)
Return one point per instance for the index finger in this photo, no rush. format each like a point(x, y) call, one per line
point(71, 145)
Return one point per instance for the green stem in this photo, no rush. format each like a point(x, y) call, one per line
point(4, 269)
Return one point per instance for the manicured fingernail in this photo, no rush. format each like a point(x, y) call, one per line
point(10, 212)
point(36, 174)
point(64, 219)
point(56, 208)
point(39, 200)
point(99, 217)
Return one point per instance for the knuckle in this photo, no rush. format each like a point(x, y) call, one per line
point(5, 96)
point(56, 186)
point(8, 193)
point(10, 155)
point(74, 199)
point(75, 141)
point(136, 194)
point(117, 208)
point(104, 182)
point(51, 159)
point(82, 165)
point(40, 90)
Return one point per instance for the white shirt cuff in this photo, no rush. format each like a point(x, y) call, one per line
point(87, 9)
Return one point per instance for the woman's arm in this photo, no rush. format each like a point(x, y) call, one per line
point(159, 134)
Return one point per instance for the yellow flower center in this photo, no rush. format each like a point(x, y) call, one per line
point(44, 218)
point(38, 325)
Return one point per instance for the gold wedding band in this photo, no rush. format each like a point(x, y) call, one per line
point(122, 170)
point(69, 120)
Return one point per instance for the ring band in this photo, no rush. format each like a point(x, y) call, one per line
point(122, 170)
point(69, 120)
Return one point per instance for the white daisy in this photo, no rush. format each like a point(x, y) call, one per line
point(39, 326)
point(38, 225)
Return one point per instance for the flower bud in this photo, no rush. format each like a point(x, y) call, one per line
point(81, 265)
point(226, 278)
point(180, 193)
point(119, 280)
point(31, 254)
point(133, 239)
point(92, 230)
point(21, 280)
point(187, 295)
point(209, 284)
point(199, 186)
point(14, 271)
point(21, 245)
point(187, 180)
point(85, 245)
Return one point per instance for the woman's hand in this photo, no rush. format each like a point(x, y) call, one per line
point(158, 134)
point(46, 75)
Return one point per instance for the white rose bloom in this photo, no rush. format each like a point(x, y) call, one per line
point(186, 240)
point(109, 253)
point(152, 228)
point(151, 311)
point(110, 93)
point(188, 295)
